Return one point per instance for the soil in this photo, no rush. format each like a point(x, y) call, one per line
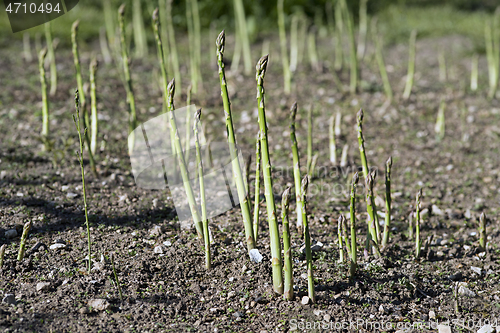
point(171, 291)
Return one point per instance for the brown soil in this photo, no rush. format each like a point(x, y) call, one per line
point(172, 291)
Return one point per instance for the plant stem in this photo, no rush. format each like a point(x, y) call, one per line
point(411, 65)
point(410, 226)
point(307, 239)
point(296, 168)
point(52, 58)
point(2, 254)
point(287, 262)
point(243, 35)
point(170, 91)
point(345, 238)
point(353, 62)
point(237, 174)
point(111, 256)
point(339, 33)
point(363, 28)
point(418, 243)
point(371, 215)
point(128, 81)
point(339, 235)
point(206, 237)
point(173, 46)
point(294, 43)
point(309, 138)
point(93, 107)
point(109, 23)
point(106, 54)
point(482, 231)
point(439, 128)
point(287, 75)
point(192, 46)
point(380, 61)
point(257, 190)
point(197, 41)
point(188, 124)
point(387, 224)
point(361, 143)
point(311, 48)
point(474, 72)
point(45, 100)
point(22, 247)
point(333, 145)
point(343, 157)
point(375, 214)
point(268, 180)
point(76, 120)
point(140, 40)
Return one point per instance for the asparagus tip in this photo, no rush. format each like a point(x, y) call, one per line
point(419, 194)
point(389, 162)
point(262, 65)
point(171, 87)
point(305, 183)
point(285, 198)
point(155, 16)
point(43, 52)
point(197, 115)
point(74, 27)
point(121, 10)
point(360, 116)
point(221, 40)
point(369, 181)
point(355, 178)
point(482, 217)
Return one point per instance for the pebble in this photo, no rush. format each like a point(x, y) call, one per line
point(467, 214)
point(486, 329)
point(432, 315)
point(317, 312)
point(213, 309)
point(464, 291)
point(244, 269)
point(42, 286)
point(99, 304)
point(9, 299)
point(381, 309)
point(303, 276)
point(57, 246)
point(476, 270)
point(231, 294)
point(71, 195)
point(167, 243)
point(327, 317)
point(158, 250)
point(64, 188)
point(255, 256)
point(444, 329)
point(155, 231)
point(305, 300)
point(11, 233)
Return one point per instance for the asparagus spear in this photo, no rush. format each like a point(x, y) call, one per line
point(287, 262)
point(307, 239)
point(22, 247)
point(268, 180)
point(388, 166)
point(411, 65)
point(257, 190)
point(204, 219)
point(418, 243)
point(296, 167)
point(482, 231)
point(240, 183)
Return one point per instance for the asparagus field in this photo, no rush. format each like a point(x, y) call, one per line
point(335, 180)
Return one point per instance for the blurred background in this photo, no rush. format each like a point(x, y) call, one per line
point(396, 17)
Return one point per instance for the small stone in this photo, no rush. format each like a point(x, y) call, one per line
point(9, 299)
point(71, 195)
point(158, 250)
point(255, 256)
point(42, 286)
point(244, 269)
point(486, 329)
point(57, 246)
point(303, 276)
point(11, 233)
point(84, 310)
point(327, 317)
point(167, 243)
point(64, 188)
point(155, 231)
point(155, 203)
point(432, 314)
point(467, 214)
point(381, 309)
point(317, 312)
point(464, 291)
point(99, 304)
point(231, 294)
point(437, 211)
point(455, 277)
point(444, 329)
point(305, 300)
point(476, 270)
point(467, 247)
point(213, 310)
point(231, 279)
point(252, 304)
point(238, 314)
